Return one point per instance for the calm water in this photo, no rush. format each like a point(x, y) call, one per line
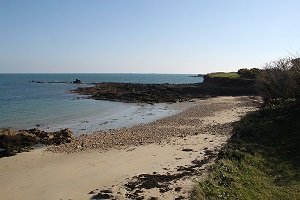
point(24, 104)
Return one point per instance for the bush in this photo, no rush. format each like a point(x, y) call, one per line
point(280, 80)
point(296, 75)
point(248, 73)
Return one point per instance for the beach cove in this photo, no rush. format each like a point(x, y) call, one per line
point(172, 149)
point(149, 100)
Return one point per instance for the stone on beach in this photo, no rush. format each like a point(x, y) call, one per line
point(187, 123)
point(15, 141)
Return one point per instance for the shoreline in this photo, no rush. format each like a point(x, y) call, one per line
point(115, 116)
point(169, 149)
point(26, 104)
point(131, 114)
point(88, 110)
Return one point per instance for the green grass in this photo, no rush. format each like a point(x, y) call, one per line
point(261, 160)
point(223, 75)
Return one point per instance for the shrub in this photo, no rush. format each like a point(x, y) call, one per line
point(248, 73)
point(296, 75)
point(279, 80)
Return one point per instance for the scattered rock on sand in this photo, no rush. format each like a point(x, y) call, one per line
point(187, 149)
point(163, 182)
point(102, 196)
point(16, 141)
point(184, 124)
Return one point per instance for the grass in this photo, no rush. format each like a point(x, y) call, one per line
point(261, 160)
point(224, 75)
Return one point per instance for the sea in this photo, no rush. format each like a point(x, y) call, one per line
point(26, 104)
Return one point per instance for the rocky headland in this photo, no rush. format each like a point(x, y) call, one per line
point(141, 93)
point(170, 93)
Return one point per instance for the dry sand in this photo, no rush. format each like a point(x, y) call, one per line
point(202, 128)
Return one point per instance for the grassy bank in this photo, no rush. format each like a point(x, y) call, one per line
point(223, 75)
point(261, 160)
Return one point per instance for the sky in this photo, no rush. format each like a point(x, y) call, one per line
point(145, 36)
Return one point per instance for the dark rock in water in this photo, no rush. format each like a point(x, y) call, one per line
point(15, 141)
point(77, 81)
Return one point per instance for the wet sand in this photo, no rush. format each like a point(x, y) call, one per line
point(122, 115)
point(169, 147)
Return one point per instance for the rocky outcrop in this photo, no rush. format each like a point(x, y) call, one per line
point(15, 141)
point(77, 81)
point(145, 93)
point(170, 93)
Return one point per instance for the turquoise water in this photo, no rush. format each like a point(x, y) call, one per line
point(25, 104)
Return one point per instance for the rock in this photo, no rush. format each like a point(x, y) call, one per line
point(101, 196)
point(93, 191)
point(187, 149)
point(179, 198)
point(77, 81)
point(106, 191)
point(15, 141)
point(141, 93)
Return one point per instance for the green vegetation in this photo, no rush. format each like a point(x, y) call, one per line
point(223, 75)
point(242, 73)
point(261, 160)
point(280, 80)
point(248, 73)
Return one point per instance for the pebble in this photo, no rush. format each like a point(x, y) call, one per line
point(155, 132)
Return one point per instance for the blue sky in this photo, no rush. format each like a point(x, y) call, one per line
point(145, 36)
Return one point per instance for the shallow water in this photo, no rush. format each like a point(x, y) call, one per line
point(24, 104)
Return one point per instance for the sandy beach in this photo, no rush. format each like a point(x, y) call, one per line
point(158, 160)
